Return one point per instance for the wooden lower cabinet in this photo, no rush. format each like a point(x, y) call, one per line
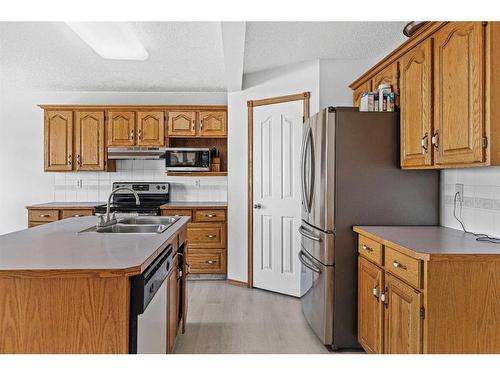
point(403, 321)
point(173, 305)
point(416, 303)
point(370, 313)
point(206, 238)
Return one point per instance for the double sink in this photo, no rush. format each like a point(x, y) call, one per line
point(136, 224)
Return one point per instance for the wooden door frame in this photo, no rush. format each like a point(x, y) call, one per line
point(305, 97)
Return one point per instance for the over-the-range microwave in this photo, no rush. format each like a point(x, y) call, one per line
point(187, 159)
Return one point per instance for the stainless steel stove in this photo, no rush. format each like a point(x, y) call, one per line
point(151, 194)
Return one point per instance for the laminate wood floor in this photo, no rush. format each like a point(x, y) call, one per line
point(224, 318)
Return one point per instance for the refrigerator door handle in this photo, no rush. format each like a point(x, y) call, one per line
point(305, 233)
point(312, 175)
point(302, 258)
point(303, 169)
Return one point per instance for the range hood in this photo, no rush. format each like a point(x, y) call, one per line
point(129, 153)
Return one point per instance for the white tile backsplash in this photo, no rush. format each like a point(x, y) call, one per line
point(96, 186)
point(481, 201)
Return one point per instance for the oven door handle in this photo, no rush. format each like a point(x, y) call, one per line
point(306, 234)
point(302, 258)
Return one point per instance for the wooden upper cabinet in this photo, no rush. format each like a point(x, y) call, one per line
point(387, 75)
point(58, 137)
point(89, 141)
point(356, 95)
point(213, 124)
point(181, 124)
point(121, 128)
point(403, 324)
point(151, 128)
point(370, 308)
point(416, 106)
point(458, 90)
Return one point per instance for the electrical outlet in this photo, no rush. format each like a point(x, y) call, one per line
point(459, 188)
point(197, 183)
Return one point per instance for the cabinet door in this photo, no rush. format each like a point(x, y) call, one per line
point(356, 95)
point(403, 325)
point(121, 129)
point(181, 124)
point(58, 134)
point(173, 305)
point(370, 308)
point(416, 106)
point(89, 141)
point(151, 129)
point(213, 124)
point(459, 91)
point(388, 75)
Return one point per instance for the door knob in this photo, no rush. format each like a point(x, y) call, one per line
point(257, 206)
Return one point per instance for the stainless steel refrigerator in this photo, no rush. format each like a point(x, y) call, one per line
point(350, 175)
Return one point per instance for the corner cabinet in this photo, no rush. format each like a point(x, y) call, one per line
point(58, 134)
point(448, 88)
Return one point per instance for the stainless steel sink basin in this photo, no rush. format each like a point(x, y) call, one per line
point(136, 224)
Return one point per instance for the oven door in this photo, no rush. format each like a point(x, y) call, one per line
point(316, 283)
point(183, 159)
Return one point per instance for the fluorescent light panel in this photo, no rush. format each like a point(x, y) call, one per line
point(111, 40)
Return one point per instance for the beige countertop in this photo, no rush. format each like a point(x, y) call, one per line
point(429, 242)
point(189, 205)
point(65, 205)
point(58, 247)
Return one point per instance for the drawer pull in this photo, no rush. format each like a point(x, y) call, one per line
point(210, 215)
point(396, 264)
point(211, 262)
point(211, 235)
point(77, 215)
point(367, 248)
point(44, 215)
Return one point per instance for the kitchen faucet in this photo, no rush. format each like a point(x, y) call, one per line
point(112, 220)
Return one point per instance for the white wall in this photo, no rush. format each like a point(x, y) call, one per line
point(284, 81)
point(22, 179)
point(481, 206)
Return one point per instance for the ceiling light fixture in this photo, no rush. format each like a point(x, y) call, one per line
point(111, 40)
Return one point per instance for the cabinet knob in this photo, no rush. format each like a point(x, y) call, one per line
point(44, 215)
point(211, 235)
point(192, 126)
point(78, 160)
point(201, 124)
point(139, 134)
point(211, 262)
point(367, 248)
point(425, 143)
point(70, 159)
point(435, 140)
point(396, 264)
point(375, 291)
point(132, 135)
point(210, 215)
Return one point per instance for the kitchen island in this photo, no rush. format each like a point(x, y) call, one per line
point(62, 291)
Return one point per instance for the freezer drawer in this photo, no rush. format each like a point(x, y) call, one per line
point(316, 282)
point(317, 243)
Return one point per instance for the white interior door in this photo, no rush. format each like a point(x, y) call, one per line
point(277, 136)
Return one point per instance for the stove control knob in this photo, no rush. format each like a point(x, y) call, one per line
point(163, 187)
point(158, 187)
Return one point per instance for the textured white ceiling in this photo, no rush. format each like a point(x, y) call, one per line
point(183, 56)
point(272, 44)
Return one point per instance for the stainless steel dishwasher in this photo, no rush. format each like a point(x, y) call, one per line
point(149, 306)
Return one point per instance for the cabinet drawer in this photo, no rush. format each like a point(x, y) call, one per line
point(43, 215)
point(206, 235)
point(403, 266)
point(210, 215)
point(76, 213)
point(206, 261)
point(32, 224)
point(171, 212)
point(370, 249)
